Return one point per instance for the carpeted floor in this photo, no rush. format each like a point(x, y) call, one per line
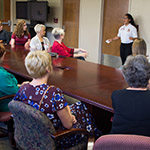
point(4, 142)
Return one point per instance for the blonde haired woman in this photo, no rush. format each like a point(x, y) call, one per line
point(21, 36)
point(61, 49)
point(39, 42)
point(139, 47)
point(54, 105)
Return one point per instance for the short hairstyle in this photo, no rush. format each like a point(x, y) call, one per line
point(57, 32)
point(2, 50)
point(0, 23)
point(137, 71)
point(37, 63)
point(38, 27)
point(139, 47)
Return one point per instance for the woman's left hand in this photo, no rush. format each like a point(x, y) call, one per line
point(74, 119)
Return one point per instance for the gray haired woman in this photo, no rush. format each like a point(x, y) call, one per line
point(132, 105)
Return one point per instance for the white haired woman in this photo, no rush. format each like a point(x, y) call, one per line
point(61, 49)
point(39, 42)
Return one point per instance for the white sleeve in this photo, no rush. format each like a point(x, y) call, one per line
point(32, 45)
point(47, 42)
point(119, 33)
point(134, 33)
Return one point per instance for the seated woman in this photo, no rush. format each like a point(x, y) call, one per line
point(54, 105)
point(62, 50)
point(39, 42)
point(139, 47)
point(9, 84)
point(4, 38)
point(20, 36)
point(132, 105)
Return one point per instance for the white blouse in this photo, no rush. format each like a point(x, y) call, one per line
point(35, 43)
point(127, 31)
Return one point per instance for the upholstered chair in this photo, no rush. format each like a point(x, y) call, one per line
point(122, 142)
point(33, 129)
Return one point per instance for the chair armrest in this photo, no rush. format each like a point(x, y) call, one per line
point(5, 116)
point(61, 134)
point(8, 96)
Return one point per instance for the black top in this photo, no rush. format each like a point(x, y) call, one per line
point(4, 36)
point(43, 48)
point(131, 112)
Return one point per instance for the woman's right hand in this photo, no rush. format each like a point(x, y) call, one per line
point(109, 40)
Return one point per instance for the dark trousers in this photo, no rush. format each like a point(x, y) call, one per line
point(81, 58)
point(125, 51)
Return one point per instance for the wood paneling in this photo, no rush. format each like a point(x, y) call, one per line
point(71, 22)
point(6, 13)
point(114, 10)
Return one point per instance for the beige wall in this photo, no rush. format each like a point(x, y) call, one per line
point(56, 7)
point(140, 9)
point(90, 28)
point(91, 22)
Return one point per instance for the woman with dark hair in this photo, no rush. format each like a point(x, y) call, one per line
point(21, 36)
point(127, 33)
point(4, 38)
point(132, 105)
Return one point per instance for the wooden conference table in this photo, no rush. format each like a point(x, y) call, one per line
point(86, 81)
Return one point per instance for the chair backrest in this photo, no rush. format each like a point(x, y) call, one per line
point(122, 142)
point(32, 128)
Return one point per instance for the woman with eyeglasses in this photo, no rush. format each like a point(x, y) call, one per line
point(39, 42)
point(127, 34)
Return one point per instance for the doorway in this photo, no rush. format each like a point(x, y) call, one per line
point(114, 10)
point(71, 22)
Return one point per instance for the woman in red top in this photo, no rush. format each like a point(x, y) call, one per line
point(21, 36)
point(62, 50)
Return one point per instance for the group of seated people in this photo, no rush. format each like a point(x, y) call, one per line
point(131, 105)
point(21, 36)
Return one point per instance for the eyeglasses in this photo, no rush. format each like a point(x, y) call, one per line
point(125, 18)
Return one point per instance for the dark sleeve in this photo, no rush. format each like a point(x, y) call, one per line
point(113, 99)
point(59, 101)
point(7, 37)
point(18, 96)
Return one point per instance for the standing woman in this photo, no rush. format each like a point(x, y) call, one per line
point(39, 42)
point(127, 33)
point(21, 36)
